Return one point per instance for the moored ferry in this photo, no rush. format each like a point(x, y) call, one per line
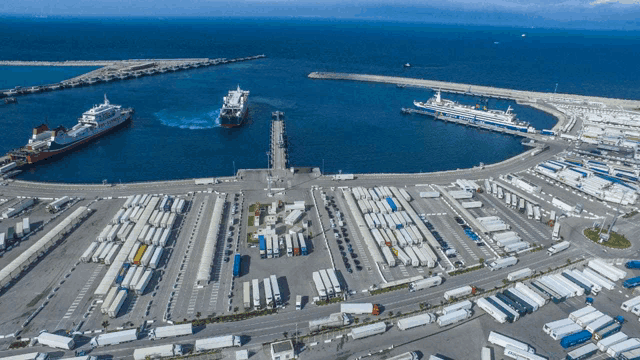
point(437, 106)
point(45, 143)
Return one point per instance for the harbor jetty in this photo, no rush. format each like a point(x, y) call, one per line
point(114, 70)
point(278, 142)
point(485, 91)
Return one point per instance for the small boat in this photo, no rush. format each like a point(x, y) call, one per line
point(407, 65)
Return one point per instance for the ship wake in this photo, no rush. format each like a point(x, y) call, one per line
point(205, 120)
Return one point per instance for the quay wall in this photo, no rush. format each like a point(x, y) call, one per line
point(529, 96)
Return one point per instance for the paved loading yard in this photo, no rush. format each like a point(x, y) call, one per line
point(293, 273)
point(36, 284)
point(467, 340)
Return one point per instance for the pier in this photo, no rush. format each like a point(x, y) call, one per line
point(478, 90)
point(114, 70)
point(278, 142)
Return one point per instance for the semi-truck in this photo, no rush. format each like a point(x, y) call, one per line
point(163, 332)
point(564, 245)
point(415, 321)
point(607, 331)
point(276, 290)
point(503, 263)
point(360, 308)
point(459, 292)
point(332, 321)
point(425, 283)
point(114, 338)
point(266, 282)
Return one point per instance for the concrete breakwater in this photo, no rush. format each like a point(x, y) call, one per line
point(518, 95)
point(89, 62)
point(114, 70)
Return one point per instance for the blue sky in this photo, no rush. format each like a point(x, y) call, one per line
point(619, 14)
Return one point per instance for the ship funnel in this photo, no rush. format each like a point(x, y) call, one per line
point(438, 99)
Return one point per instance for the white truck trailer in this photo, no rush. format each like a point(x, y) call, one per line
point(368, 330)
point(564, 245)
point(359, 308)
point(218, 342)
point(256, 293)
point(519, 274)
point(117, 303)
point(458, 292)
point(425, 283)
point(56, 341)
point(114, 338)
point(504, 341)
point(157, 352)
point(503, 263)
point(331, 321)
point(490, 309)
point(163, 332)
point(415, 321)
point(453, 317)
point(317, 279)
point(467, 305)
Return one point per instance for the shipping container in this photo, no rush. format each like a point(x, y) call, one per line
point(368, 330)
point(492, 310)
point(575, 339)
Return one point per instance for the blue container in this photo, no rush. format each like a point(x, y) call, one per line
point(263, 247)
point(237, 265)
point(394, 208)
point(633, 264)
point(575, 339)
point(631, 283)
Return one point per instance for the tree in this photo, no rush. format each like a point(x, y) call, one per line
point(481, 260)
point(390, 313)
point(235, 309)
point(198, 314)
point(105, 325)
point(285, 334)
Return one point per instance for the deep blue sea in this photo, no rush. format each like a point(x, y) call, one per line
point(353, 127)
